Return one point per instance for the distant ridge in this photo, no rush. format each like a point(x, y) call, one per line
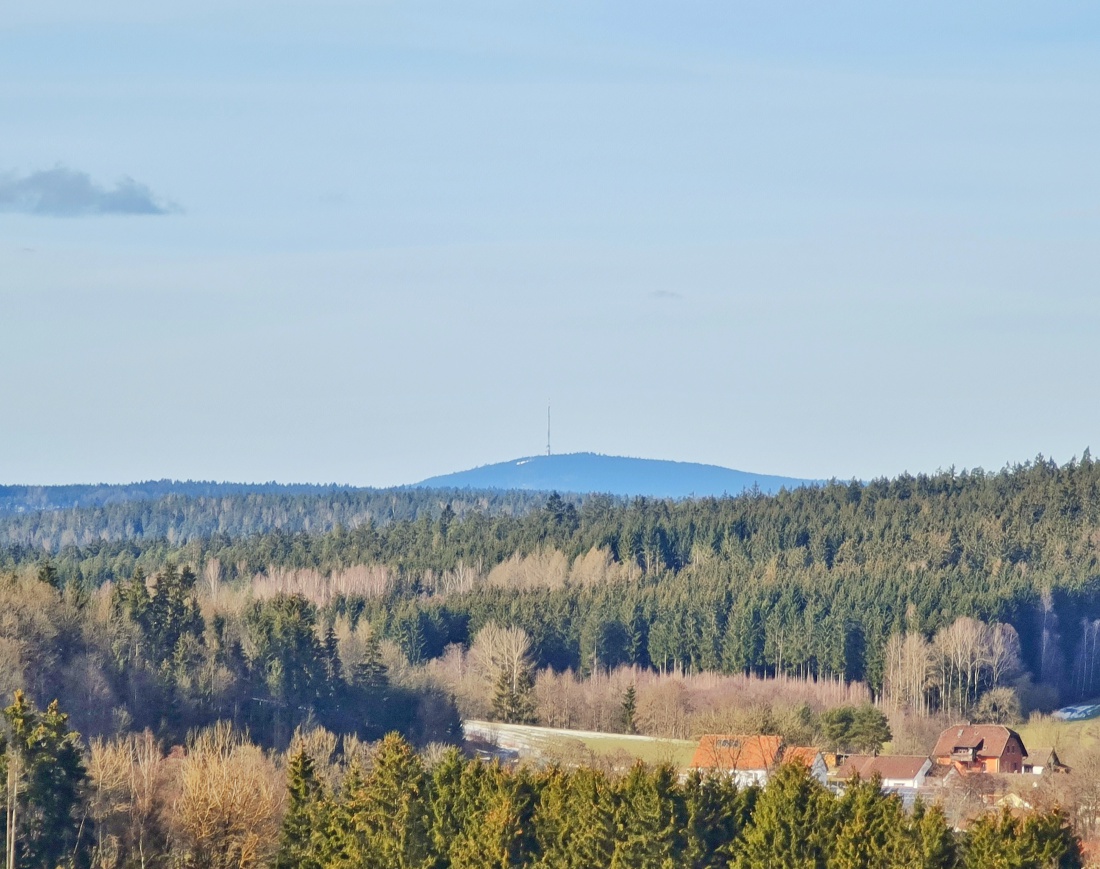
point(615, 475)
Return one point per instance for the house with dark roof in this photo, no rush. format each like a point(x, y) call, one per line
point(896, 771)
point(990, 748)
point(1043, 760)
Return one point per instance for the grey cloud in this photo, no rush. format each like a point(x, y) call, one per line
point(63, 192)
point(665, 294)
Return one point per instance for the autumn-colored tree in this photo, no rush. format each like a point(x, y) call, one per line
point(129, 783)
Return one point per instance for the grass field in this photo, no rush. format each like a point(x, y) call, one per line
point(575, 746)
point(1068, 738)
point(677, 752)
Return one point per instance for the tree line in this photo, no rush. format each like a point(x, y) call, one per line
point(55, 517)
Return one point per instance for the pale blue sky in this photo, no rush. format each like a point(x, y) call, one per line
point(794, 238)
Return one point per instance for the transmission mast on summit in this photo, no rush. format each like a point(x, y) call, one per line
point(548, 428)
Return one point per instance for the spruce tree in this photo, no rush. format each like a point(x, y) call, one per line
point(44, 771)
point(304, 797)
point(713, 817)
point(452, 793)
point(649, 821)
point(370, 673)
point(590, 803)
point(514, 697)
point(991, 840)
point(497, 825)
point(629, 709)
point(1042, 841)
point(492, 843)
point(793, 823)
point(1046, 840)
point(872, 829)
point(930, 842)
point(575, 820)
point(389, 817)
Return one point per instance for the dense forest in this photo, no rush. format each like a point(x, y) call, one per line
point(53, 517)
point(22, 499)
point(813, 581)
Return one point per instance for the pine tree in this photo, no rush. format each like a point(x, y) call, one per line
point(870, 729)
point(514, 697)
point(389, 814)
point(871, 830)
point(629, 709)
point(296, 848)
point(793, 823)
point(44, 768)
point(649, 821)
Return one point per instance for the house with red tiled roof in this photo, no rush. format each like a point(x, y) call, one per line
point(896, 771)
point(748, 760)
point(990, 748)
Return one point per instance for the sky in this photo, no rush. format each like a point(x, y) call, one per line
point(368, 242)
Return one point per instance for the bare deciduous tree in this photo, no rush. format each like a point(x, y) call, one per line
point(230, 805)
point(130, 782)
point(496, 650)
point(909, 673)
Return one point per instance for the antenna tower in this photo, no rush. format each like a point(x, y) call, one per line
point(548, 428)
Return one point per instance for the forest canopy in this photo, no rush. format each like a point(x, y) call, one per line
point(811, 582)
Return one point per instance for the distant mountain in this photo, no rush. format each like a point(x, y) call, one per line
point(616, 475)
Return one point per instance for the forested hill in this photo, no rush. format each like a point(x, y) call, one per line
point(23, 499)
point(197, 511)
point(615, 475)
point(810, 581)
